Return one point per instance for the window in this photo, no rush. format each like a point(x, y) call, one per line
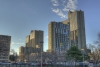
point(55, 25)
point(60, 25)
point(56, 30)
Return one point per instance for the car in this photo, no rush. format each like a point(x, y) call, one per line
point(34, 63)
point(43, 64)
point(90, 65)
point(19, 63)
point(0, 63)
point(22, 63)
point(14, 63)
point(6, 63)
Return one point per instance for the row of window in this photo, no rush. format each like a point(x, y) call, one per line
point(57, 36)
point(62, 31)
point(62, 46)
point(62, 43)
point(61, 25)
point(3, 36)
point(3, 57)
point(62, 40)
point(4, 42)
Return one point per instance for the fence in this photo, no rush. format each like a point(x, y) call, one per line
point(26, 65)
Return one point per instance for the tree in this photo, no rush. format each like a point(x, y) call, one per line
point(12, 57)
point(74, 53)
point(95, 50)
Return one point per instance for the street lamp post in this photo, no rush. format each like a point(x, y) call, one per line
point(41, 51)
point(37, 47)
point(83, 56)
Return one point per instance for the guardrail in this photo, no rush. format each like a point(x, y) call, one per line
point(47, 65)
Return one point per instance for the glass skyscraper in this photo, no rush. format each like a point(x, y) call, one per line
point(58, 36)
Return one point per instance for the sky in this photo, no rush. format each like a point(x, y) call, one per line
point(19, 17)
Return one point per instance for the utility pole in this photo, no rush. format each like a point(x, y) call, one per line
point(41, 44)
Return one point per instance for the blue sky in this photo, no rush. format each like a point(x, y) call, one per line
point(19, 17)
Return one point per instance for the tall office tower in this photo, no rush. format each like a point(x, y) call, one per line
point(4, 47)
point(21, 50)
point(34, 40)
point(58, 36)
point(28, 41)
point(77, 29)
point(21, 53)
point(28, 48)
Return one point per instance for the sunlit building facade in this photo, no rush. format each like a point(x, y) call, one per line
point(58, 36)
point(21, 50)
point(28, 41)
point(77, 29)
point(21, 54)
point(33, 40)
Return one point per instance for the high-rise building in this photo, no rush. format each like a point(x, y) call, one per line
point(28, 41)
point(34, 40)
point(21, 53)
point(58, 36)
point(21, 50)
point(5, 41)
point(77, 29)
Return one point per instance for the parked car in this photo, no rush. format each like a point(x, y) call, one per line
point(14, 63)
point(34, 64)
point(90, 65)
point(43, 64)
point(22, 63)
point(19, 63)
point(0, 63)
point(8, 63)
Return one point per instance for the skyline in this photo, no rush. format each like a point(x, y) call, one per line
point(19, 17)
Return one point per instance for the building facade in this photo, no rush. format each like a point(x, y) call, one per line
point(21, 50)
point(5, 42)
point(77, 29)
point(21, 54)
point(34, 40)
point(28, 41)
point(58, 36)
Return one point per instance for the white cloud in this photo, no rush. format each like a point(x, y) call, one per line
point(63, 7)
point(47, 37)
point(63, 1)
point(17, 50)
point(59, 12)
point(55, 2)
point(12, 43)
point(71, 5)
point(22, 43)
point(19, 43)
